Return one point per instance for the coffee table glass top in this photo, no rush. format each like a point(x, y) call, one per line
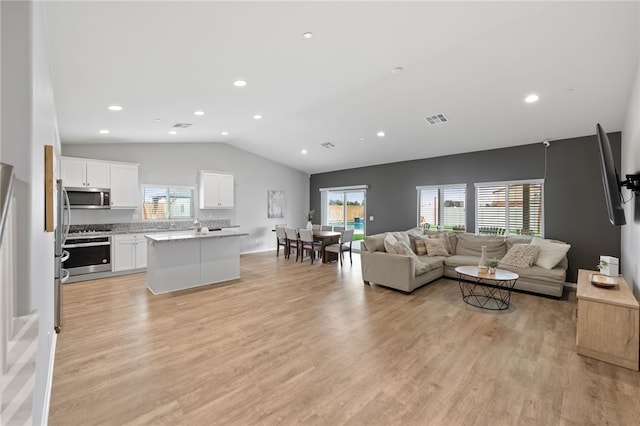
point(500, 275)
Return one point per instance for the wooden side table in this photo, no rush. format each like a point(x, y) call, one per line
point(608, 322)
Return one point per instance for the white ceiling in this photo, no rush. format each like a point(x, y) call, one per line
point(473, 61)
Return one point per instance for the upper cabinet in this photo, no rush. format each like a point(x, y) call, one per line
point(216, 190)
point(82, 173)
point(120, 178)
point(125, 191)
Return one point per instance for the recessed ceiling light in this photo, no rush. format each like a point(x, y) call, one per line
point(225, 133)
point(397, 70)
point(361, 139)
point(304, 151)
point(156, 119)
point(103, 132)
point(307, 35)
point(239, 83)
point(531, 98)
point(172, 132)
point(198, 113)
point(115, 108)
point(380, 134)
point(257, 116)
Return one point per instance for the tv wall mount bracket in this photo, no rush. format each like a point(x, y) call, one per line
point(632, 183)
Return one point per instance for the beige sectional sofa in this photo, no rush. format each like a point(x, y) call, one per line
point(398, 271)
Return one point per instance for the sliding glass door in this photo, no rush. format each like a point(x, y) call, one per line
point(347, 208)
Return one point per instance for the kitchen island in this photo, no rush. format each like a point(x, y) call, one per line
point(181, 260)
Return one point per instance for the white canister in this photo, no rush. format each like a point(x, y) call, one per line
point(204, 231)
point(610, 266)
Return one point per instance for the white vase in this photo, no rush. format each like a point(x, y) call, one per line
point(483, 257)
point(309, 225)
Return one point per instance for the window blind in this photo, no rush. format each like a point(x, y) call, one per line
point(167, 203)
point(509, 208)
point(442, 206)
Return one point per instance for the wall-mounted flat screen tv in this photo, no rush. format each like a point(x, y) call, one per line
point(610, 179)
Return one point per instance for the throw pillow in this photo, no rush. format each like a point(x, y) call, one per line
point(446, 242)
point(390, 243)
point(550, 253)
point(435, 247)
point(402, 236)
point(521, 255)
point(421, 246)
point(400, 247)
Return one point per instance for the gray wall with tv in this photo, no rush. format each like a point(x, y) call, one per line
point(574, 206)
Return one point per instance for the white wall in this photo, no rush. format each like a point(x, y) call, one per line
point(179, 163)
point(630, 262)
point(16, 131)
point(44, 131)
point(29, 123)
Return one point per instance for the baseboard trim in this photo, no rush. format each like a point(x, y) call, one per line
point(571, 285)
point(47, 392)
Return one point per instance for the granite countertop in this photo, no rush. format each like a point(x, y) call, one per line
point(191, 235)
point(142, 227)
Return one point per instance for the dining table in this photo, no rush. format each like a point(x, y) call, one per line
point(327, 238)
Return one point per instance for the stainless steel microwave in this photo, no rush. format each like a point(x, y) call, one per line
point(89, 198)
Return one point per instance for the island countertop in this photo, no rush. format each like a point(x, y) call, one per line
point(189, 235)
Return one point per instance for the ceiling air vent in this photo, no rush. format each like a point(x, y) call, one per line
point(436, 119)
point(328, 145)
point(182, 125)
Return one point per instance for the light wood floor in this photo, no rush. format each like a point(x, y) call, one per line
point(292, 343)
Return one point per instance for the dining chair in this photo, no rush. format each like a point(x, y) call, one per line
point(338, 228)
point(315, 227)
point(346, 239)
point(308, 244)
point(326, 228)
point(293, 243)
point(281, 240)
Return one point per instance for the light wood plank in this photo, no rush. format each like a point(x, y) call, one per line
point(295, 343)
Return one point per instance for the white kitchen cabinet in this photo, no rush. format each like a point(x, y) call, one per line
point(125, 191)
point(84, 173)
point(216, 190)
point(129, 252)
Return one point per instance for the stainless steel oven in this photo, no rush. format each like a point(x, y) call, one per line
point(88, 254)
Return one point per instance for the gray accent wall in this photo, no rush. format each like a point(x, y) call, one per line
point(574, 208)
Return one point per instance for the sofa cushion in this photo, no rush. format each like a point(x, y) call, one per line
point(471, 245)
point(435, 247)
point(461, 260)
point(538, 273)
point(551, 253)
point(375, 242)
point(517, 239)
point(521, 256)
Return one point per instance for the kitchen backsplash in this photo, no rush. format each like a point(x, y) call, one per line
point(97, 216)
point(165, 225)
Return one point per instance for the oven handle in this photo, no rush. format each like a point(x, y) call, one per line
point(86, 245)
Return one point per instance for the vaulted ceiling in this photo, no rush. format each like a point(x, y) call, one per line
point(368, 67)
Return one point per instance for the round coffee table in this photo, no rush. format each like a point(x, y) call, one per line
point(484, 290)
